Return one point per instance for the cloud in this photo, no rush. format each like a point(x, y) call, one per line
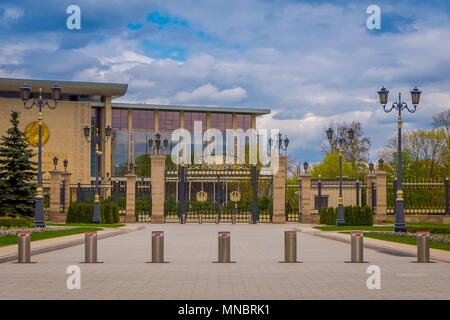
point(310, 62)
point(210, 93)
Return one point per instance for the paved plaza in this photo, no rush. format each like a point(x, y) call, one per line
point(191, 273)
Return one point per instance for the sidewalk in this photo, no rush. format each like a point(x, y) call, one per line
point(9, 253)
point(436, 254)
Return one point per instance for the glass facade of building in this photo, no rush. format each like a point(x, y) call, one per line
point(191, 117)
point(168, 120)
point(221, 121)
point(143, 128)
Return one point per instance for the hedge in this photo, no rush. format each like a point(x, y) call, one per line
point(445, 230)
point(353, 216)
point(9, 222)
point(83, 212)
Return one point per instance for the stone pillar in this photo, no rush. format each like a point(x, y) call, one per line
point(279, 191)
point(66, 179)
point(380, 212)
point(130, 216)
point(55, 189)
point(306, 196)
point(369, 179)
point(158, 188)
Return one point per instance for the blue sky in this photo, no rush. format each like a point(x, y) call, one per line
point(310, 62)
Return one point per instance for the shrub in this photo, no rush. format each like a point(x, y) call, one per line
point(170, 206)
point(353, 216)
point(83, 212)
point(9, 222)
point(144, 205)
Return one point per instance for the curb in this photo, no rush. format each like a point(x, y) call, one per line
point(379, 248)
point(62, 245)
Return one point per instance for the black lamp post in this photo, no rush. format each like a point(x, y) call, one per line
point(371, 166)
point(96, 138)
point(340, 140)
point(281, 143)
point(157, 147)
point(305, 166)
point(399, 105)
point(65, 163)
point(55, 161)
point(25, 93)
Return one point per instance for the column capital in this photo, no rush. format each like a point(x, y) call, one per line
point(158, 156)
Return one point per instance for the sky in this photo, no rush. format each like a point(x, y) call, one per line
point(310, 62)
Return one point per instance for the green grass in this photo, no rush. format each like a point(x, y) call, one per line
point(422, 224)
point(111, 225)
point(12, 239)
point(357, 228)
point(412, 241)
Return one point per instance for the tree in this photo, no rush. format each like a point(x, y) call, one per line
point(329, 168)
point(428, 148)
point(357, 152)
point(17, 192)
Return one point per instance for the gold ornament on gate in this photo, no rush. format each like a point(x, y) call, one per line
point(32, 133)
point(235, 196)
point(202, 196)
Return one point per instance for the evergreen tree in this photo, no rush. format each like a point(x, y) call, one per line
point(17, 171)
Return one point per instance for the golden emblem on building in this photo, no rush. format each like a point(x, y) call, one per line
point(32, 133)
point(202, 196)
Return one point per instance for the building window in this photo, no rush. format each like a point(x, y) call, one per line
point(119, 119)
point(168, 120)
point(143, 120)
point(243, 121)
point(191, 117)
point(221, 121)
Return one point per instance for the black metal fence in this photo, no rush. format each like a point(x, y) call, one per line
point(421, 197)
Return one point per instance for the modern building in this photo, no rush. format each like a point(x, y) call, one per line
point(92, 104)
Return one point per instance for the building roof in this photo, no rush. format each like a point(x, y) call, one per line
point(113, 90)
point(191, 108)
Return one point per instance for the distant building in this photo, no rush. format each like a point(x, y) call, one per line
point(90, 103)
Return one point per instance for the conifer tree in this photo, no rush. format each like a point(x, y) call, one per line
point(17, 170)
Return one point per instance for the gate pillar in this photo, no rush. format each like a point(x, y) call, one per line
point(130, 216)
point(279, 191)
point(55, 195)
point(158, 188)
point(370, 178)
point(380, 212)
point(66, 177)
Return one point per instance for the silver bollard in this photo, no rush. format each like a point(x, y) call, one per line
point(90, 247)
point(24, 247)
point(423, 247)
point(157, 246)
point(290, 246)
point(357, 247)
point(224, 247)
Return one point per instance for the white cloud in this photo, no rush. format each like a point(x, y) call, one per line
point(210, 93)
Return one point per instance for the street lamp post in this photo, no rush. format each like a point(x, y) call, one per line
point(400, 105)
point(281, 143)
point(96, 138)
point(340, 140)
point(157, 147)
point(25, 92)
